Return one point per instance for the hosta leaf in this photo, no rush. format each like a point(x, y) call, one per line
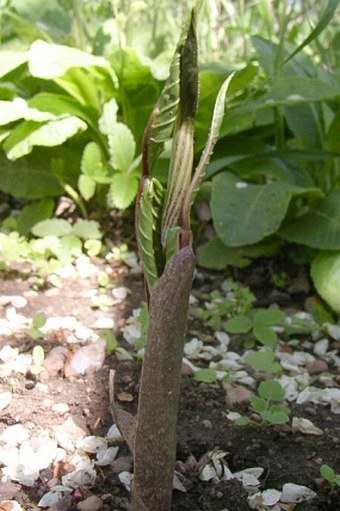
point(60, 104)
point(11, 111)
point(53, 60)
point(28, 180)
point(34, 213)
point(325, 273)
point(122, 191)
point(10, 60)
point(53, 227)
point(122, 147)
point(245, 213)
point(319, 227)
point(52, 133)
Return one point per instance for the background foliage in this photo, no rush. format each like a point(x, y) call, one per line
point(79, 78)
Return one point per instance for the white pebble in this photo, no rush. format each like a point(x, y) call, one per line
point(5, 399)
point(61, 408)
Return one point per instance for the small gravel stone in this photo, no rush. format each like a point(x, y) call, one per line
point(5, 399)
point(61, 408)
point(92, 503)
point(103, 323)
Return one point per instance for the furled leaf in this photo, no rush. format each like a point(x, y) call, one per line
point(216, 122)
point(53, 60)
point(52, 133)
point(122, 147)
point(245, 213)
point(123, 190)
point(182, 152)
point(148, 230)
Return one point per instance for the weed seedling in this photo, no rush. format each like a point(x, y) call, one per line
point(268, 405)
point(330, 475)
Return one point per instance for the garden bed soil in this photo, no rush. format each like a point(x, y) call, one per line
point(202, 424)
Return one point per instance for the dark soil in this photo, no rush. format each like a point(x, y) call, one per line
point(202, 424)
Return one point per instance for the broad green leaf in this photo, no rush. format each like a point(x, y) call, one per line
point(108, 119)
point(87, 229)
point(325, 272)
point(10, 60)
point(217, 256)
point(52, 133)
point(110, 339)
point(53, 227)
point(50, 61)
point(271, 390)
point(122, 147)
point(264, 361)
point(87, 186)
point(24, 179)
point(60, 104)
point(70, 247)
point(293, 90)
point(11, 111)
point(34, 213)
point(243, 421)
point(258, 403)
point(238, 325)
point(205, 375)
point(269, 317)
point(319, 227)
point(275, 417)
point(93, 247)
point(305, 125)
point(122, 191)
point(246, 213)
point(265, 335)
point(91, 162)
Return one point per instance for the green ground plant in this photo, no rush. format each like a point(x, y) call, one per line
point(329, 474)
point(268, 405)
point(279, 146)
